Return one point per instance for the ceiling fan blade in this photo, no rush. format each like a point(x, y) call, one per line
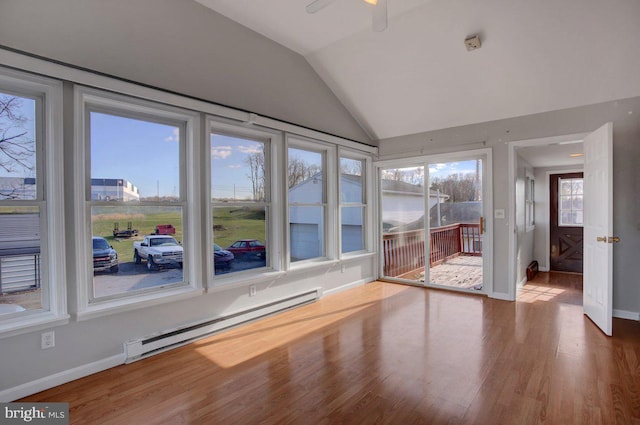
point(380, 16)
point(317, 5)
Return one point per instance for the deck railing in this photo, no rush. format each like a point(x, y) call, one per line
point(404, 251)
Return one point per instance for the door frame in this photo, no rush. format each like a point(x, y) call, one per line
point(487, 194)
point(512, 162)
point(547, 212)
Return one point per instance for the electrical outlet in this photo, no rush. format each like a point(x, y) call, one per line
point(252, 290)
point(342, 268)
point(48, 340)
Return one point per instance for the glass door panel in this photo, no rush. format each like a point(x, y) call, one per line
point(455, 228)
point(403, 223)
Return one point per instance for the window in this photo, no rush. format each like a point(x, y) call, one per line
point(31, 270)
point(307, 201)
point(529, 201)
point(240, 203)
point(570, 199)
point(134, 191)
point(352, 204)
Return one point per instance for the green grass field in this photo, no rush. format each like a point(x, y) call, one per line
point(230, 225)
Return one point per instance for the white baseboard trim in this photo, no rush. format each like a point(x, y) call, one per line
point(520, 284)
point(624, 314)
point(501, 296)
point(348, 286)
point(28, 388)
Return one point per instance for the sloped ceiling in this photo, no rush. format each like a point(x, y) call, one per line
point(417, 76)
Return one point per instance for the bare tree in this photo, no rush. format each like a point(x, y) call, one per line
point(353, 168)
point(256, 164)
point(413, 175)
point(17, 147)
point(299, 170)
point(460, 187)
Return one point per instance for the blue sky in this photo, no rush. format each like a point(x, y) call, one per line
point(145, 153)
point(229, 169)
point(444, 169)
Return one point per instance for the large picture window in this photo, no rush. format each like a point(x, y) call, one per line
point(352, 204)
point(134, 191)
point(240, 203)
point(307, 196)
point(30, 276)
point(20, 191)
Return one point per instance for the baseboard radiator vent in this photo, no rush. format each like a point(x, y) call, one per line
point(154, 344)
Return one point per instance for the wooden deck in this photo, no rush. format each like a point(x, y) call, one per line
point(386, 354)
point(462, 271)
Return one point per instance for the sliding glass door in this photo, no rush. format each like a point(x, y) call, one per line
point(432, 220)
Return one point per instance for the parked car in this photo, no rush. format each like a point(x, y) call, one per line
point(158, 251)
point(105, 258)
point(247, 247)
point(222, 258)
point(165, 229)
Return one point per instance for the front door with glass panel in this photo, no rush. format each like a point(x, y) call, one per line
point(432, 233)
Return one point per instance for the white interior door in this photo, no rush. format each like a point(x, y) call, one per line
point(598, 227)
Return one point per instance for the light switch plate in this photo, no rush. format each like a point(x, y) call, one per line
point(498, 213)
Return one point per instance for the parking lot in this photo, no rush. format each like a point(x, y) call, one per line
point(133, 277)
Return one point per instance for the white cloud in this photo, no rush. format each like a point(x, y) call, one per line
point(174, 137)
point(221, 152)
point(234, 166)
point(250, 149)
point(434, 168)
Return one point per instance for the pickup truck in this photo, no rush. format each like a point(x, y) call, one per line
point(158, 251)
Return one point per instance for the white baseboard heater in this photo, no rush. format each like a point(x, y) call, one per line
point(163, 341)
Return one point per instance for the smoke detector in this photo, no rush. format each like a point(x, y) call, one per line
point(472, 42)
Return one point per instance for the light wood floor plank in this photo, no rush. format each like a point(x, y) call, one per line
point(388, 354)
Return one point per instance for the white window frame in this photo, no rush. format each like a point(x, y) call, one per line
point(366, 202)
point(49, 199)
point(529, 202)
point(329, 203)
point(274, 243)
point(560, 196)
point(89, 99)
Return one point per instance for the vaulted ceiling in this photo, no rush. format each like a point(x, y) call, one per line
point(417, 76)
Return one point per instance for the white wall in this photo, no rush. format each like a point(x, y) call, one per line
point(495, 134)
point(182, 46)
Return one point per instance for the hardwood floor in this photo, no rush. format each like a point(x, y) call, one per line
point(384, 353)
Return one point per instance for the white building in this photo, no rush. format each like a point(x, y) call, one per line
point(114, 190)
point(101, 189)
point(17, 187)
point(402, 203)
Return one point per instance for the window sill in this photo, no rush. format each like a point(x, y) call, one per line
point(105, 308)
point(360, 255)
point(30, 323)
point(305, 266)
